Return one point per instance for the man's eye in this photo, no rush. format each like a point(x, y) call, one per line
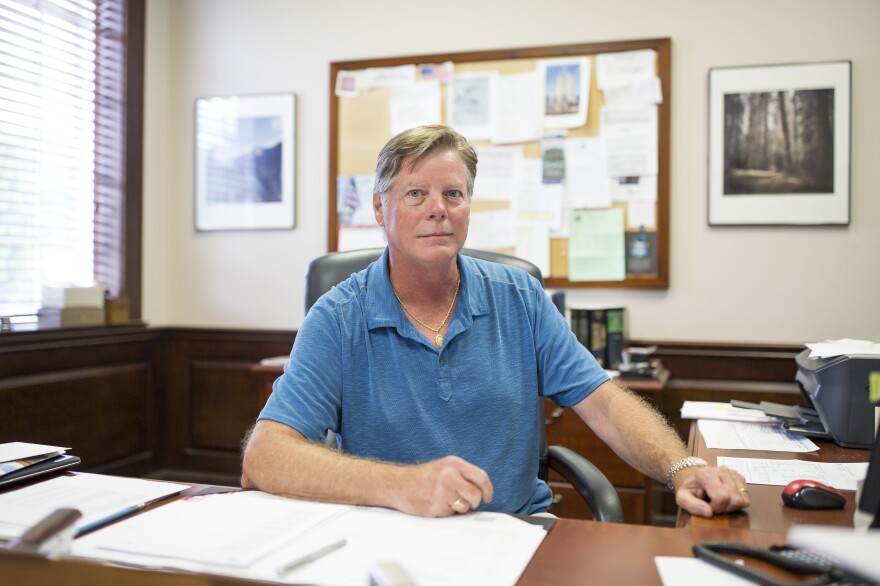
point(413, 193)
point(455, 193)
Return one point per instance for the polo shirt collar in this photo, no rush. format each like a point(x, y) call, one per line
point(383, 309)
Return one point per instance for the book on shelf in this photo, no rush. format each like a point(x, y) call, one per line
point(603, 331)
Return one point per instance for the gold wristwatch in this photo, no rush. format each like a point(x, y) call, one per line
point(688, 462)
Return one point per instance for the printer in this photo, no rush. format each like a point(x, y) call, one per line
point(837, 405)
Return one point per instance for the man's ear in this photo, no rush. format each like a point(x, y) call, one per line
point(377, 209)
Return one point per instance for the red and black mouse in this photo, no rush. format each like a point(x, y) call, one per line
point(809, 494)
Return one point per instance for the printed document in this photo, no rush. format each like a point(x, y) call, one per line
point(736, 435)
point(842, 476)
point(723, 412)
point(250, 534)
point(96, 496)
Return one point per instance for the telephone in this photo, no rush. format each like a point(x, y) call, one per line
point(797, 561)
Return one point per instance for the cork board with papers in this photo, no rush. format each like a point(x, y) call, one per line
point(573, 147)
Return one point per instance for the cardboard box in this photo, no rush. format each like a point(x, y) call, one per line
point(70, 317)
point(117, 311)
point(74, 297)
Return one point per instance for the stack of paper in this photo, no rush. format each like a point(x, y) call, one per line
point(99, 498)
point(257, 535)
point(723, 411)
point(22, 462)
point(736, 435)
point(17, 455)
point(844, 347)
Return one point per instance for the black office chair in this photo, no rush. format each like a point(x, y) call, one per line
point(333, 268)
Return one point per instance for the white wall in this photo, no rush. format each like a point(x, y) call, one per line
point(791, 284)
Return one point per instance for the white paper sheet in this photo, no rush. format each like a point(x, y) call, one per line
point(533, 243)
point(676, 571)
point(634, 188)
point(492, 230)
point(357, 237)
point(234, 529)
point(642, 92)
point(499, 173)
point(517, 108)
point(374, 77)
point(19, 450)
point(723, 412)
point(640, 214)
point(631, 139)
point(734, 435)
point(586, 178)
point(470, 104)
point(842, 476)
point(846, 346)
point(96, 496)
point(486, 549)
point(414, 104)
point(624, 68)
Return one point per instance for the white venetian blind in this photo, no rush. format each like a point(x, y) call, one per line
point(61, 146)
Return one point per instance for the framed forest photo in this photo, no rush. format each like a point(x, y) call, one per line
point(779, 144)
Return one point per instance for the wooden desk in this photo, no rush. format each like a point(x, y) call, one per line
point(767, 512)
point(574, 552)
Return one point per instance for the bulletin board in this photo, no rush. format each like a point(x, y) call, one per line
point(360, 124)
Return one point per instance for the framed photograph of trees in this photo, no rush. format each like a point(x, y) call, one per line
point(779, 144)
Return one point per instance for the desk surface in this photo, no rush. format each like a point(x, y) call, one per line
point(767, 512)
point(607, 553)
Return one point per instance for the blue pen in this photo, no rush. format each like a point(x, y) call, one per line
point(109, 518)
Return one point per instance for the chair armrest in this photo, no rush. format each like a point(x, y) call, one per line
point(589, 481)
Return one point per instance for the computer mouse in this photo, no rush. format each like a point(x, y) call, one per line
point(810, 494)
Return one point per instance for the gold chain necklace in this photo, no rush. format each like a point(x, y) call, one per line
point(438, 339)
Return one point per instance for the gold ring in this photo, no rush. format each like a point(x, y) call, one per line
point(459, 505)
point(742, 489)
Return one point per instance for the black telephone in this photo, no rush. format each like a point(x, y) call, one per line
point(796, 561)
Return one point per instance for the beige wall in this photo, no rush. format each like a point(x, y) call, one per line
point(789, 284)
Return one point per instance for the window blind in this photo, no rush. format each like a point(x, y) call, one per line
point(62, 112)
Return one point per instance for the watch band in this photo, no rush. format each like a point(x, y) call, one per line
point(688, 462)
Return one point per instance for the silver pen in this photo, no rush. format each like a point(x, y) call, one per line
point(311, 557)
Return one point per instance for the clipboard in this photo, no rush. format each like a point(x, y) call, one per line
point(49, 467)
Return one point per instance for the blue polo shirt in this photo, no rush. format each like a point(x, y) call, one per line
point(360, 368)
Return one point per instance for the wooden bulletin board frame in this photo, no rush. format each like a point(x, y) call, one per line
point(353, 136)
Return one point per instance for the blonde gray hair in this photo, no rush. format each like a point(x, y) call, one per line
point(411, 146)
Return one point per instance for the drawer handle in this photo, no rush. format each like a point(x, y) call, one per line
point(556, 414)
point(557, 501)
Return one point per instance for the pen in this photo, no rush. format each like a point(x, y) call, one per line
point(309, 558)
point(109, 518)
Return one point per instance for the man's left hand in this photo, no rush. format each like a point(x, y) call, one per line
point(710, 490)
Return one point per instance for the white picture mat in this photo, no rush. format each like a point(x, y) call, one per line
point(787, 208)
point(246, 215)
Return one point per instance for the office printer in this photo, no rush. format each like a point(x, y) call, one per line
point(836, 402)
point(836, 389)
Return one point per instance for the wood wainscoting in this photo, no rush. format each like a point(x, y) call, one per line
point(175, 403)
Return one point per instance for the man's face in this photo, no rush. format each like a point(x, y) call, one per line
point(427, 210)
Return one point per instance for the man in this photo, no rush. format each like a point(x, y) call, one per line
point(428, 365)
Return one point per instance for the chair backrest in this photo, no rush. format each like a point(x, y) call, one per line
point(331, 269)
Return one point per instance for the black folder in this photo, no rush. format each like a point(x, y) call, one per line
point(48, 467)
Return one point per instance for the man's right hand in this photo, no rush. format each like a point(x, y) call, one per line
point(430, 489)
